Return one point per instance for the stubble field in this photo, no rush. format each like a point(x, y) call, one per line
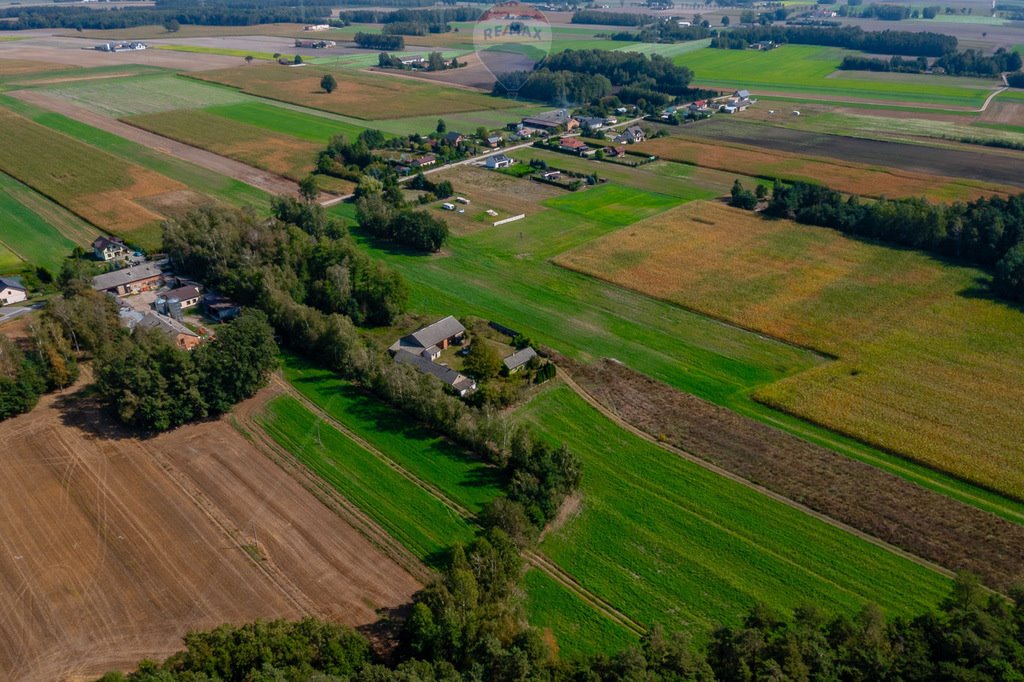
point(926, 368)
point(113, 547)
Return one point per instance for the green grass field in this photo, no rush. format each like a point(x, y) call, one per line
point(9, 261)
point(667, 541)
point(407, 512)
point(579, 630)
point(299, 124)
point(462, 478)
point(503, 274)
point(39, 231)
point(612, 204)
point(808, 70)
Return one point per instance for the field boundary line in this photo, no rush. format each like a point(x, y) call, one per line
point(690, 457)
point(537, 559)
point(332, 498)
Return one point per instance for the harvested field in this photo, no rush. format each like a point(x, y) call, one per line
point(361, 95)
point(282, 154)
point(114, 547)
point(975, 164)
point(21, 67)
point(845, 176)
point(1008, 113)
point(927, 369)
point(922, 522)
point(69, 51)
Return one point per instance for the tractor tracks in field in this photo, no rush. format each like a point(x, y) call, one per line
point(388, 544)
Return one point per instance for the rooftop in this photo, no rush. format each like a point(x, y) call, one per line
point(117, 278)
point(459, 382)
point(165, 324)
point(519, 358)
point(434, 334)
point(12, 283)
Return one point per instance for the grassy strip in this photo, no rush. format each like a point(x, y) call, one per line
point(304, 126)
point(468, 481)
point(408, 513)
point(226, 51)
point(30, 226)
point(665, 540)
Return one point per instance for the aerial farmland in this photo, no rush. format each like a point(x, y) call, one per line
point(337, 342)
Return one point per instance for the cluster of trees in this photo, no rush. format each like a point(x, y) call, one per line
point(153, 385)
point(439, 190)
point(379, 41)
point(740, 197)
point(216, 13)
point(467, 626)
point(666, 32)
point(44, 362)
point(585, 16)
point(347, 160)
point(1015, 80)
point(576, 76)
point(435, 62)
point(989, 232)
point(967, 63)
point(383, 213)
point(907, 43)
point(885, 12)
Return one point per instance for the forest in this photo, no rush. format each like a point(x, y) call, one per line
point(379, 41)
point(598, 17)
point(905, 43)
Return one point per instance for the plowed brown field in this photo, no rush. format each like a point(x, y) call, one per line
point(112, 547)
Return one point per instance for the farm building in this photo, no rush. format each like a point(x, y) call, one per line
point(494, 140)
point(423, 161)
point(432, 339)
point(592, 122)
point(454, 139)
point(631, 135)
point(317, 27)
point(173, 302)
point(519, 359)
point(220, 308)
point(460, 383)
point(182, 336)
point(499, 161)
point(138, 278)
point(12, 291)
point(552, 120)
point(109, 248)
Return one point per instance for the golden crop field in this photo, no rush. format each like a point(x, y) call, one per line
point(93, 184)
point(851, 178)
point(925, 367)
point(360, 95)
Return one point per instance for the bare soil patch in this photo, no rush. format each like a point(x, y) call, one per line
point(1010, 113)
point(975, 164)
point(20, 67)
point(112, 547)
point(920, 521)
point(845, 176)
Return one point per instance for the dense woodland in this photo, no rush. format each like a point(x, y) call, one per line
point(578, 76)
point(215, 13)
point(379, 41)
point(601, 18)
point(906, 43)
point(989, 232)
point(467, 626)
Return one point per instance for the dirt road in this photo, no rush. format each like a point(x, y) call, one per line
point(112, 547)
point(261, 179)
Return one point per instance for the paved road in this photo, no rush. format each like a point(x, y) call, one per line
point(11, 312)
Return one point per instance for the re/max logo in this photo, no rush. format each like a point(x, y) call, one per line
point(530, 32)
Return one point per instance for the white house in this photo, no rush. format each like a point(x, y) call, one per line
point(499, 161)
point(12, 291)
point(109, 248)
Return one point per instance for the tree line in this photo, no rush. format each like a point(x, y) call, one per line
point(216, 13)
point(969, 62)
point(586, 16)
point(464, 627)
point(906, 43)
point(988, 232)
point(379, 41)
point(664, 32)
point(427, 16)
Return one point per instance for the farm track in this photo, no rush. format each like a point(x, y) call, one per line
point(534, 558)
point(636, 431)
point(260, 179)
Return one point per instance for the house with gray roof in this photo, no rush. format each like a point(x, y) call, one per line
point(12, 291)
point(432, 339)
point(519, 359)
point(458, 382)
point(182, 336)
